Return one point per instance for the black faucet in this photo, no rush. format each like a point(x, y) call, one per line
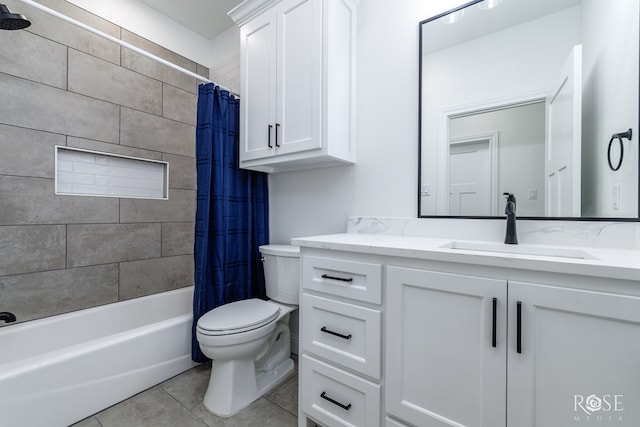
point(7, 317)
point(510, 209)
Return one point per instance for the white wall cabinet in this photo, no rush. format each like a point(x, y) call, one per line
point(297, 79)
point(467, 346)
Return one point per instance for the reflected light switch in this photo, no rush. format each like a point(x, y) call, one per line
point(426, 189)
point(533, 193)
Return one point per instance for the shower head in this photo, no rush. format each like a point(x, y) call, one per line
point(12, 21)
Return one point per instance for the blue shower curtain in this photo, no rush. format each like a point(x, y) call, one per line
point(231, 213)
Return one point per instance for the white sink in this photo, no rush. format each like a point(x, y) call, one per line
point(535, 250)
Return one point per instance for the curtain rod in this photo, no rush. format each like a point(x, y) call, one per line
point(125, 44)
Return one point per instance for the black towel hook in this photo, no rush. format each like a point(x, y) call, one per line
point(618, 136)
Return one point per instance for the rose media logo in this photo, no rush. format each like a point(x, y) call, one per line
point(603, 409)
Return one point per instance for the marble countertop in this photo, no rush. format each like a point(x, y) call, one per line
point(599, 262)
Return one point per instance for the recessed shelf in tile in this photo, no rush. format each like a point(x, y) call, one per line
point(80, 172)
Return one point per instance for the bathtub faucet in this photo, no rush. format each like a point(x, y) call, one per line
point(7, 317)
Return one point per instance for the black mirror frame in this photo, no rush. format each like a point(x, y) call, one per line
point(543, 218)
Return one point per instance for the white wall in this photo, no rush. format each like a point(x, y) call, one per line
point(384, 180)
point(613, 61)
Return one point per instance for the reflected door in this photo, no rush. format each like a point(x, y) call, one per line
point(563, 146)
point(470, 178)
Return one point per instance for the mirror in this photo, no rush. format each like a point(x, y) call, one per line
point(534, 98)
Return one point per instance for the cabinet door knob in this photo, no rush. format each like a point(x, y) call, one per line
point(325, 330)
point(335, 402)
point(269, 136)
point(519, 327)
point(494, 323)
point(277, 127)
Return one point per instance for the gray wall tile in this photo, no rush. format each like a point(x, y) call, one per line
point(27, 152)
point(179, 105)
point(147, 66)
point(100, 79)
point(105, 147)
point(31, 248)
point(31, 296)
point(55, 110)
point(68, 34)
point(177, 238)
point(202, 70)
point(181, 207)
point(106, 243)
point(25, 55)
point(105, 108)
point(138, 278)
point(142, 130)
point(182, 171)
point(32, 201)
point(136, 62)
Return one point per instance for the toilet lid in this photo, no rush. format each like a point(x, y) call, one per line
point(238, 316)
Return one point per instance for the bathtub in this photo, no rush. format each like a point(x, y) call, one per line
point(61, 369)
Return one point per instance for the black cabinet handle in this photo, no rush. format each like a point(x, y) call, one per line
point(494, 322)
point(335, 402)
point(269, 136)
point(346, 337)
point(277, 127)
point(342, 279)
point(519, 327)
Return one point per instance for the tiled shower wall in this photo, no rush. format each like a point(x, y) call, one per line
point(61, 85)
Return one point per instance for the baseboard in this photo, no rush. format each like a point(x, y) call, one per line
point(294, 345)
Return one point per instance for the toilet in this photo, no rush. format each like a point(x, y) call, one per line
point(249, 340)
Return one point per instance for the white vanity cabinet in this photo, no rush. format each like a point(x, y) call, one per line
point(297, 79)
point(449, 361)
point(341, 333)
point(442, 342)
point(442, 367)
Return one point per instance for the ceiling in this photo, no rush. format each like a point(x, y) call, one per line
point(207, 18)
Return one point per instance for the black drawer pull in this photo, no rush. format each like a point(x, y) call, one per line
point(277, 127)
point(346, 337)
point(494, 319)
point(342, 279)
point(335, 402)
point(269, 136)
point(519, 327)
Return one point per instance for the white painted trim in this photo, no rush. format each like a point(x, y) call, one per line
point(249, 9)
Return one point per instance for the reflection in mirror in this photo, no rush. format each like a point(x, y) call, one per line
point(524, 97)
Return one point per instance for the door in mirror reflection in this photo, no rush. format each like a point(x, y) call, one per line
point(563, 162)
point(495, 151)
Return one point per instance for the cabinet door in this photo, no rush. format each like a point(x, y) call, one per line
point(579, 357)
point(258, 77)
point(441, 366)
point(299, 75)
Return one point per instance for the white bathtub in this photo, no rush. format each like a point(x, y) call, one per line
point(59, 370)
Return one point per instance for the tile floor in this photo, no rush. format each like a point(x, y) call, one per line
point(177, 402)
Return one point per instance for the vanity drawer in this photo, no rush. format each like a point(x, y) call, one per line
point(344, 333)
point(337, 398)
point(356, 280)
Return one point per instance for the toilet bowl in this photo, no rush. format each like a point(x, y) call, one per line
point(249, 341)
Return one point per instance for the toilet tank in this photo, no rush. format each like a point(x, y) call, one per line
point(282, 272)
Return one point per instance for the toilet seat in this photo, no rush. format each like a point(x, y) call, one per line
point(238, 317)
